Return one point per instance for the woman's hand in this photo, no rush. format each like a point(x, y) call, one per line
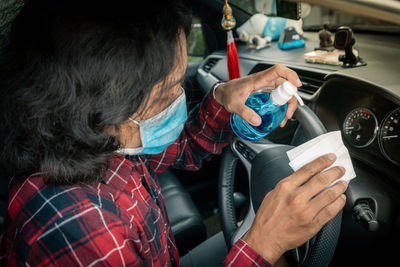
point(296, 209)
point(233, 94)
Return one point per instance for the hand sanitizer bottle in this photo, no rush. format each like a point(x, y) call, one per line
point(271, 107)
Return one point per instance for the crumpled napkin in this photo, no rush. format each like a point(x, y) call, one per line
point(327, 143)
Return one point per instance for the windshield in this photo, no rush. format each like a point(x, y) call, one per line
point(360, 15)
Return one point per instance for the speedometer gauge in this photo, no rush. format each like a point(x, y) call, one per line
point(360, 127)
point(389, 136)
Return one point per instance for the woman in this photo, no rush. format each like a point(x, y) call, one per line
point(92, 109)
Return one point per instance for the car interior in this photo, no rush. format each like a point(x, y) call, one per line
point(360, 100)
point(338, 96)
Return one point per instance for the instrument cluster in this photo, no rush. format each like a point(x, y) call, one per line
point(361, 127)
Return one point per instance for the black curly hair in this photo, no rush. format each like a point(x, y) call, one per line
point(71, 69)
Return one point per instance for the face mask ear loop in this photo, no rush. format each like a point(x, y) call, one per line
point(132, 120)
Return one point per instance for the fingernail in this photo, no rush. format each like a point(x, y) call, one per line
point(256, 120)
point(331, 156)
point(344, 183)
point(343, 169)
point(299, 82)
point(343, 196)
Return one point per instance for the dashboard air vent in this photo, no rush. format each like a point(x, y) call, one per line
point(312, 81)
point(210, 64)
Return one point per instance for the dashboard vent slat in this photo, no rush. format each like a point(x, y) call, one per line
point(210, 64)
point(311, 80)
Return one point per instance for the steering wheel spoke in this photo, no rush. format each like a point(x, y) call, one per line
point(246, 151)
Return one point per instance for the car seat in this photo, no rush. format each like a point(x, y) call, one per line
point(186, 222)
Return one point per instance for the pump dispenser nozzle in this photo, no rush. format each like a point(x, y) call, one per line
point(299, 99)
point(284, 92)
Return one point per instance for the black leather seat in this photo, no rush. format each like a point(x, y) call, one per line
point(185, 219)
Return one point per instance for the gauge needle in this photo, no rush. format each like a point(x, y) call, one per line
point(390, 136)
point(349, 128)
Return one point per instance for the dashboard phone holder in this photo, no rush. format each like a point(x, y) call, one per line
point(344, 39)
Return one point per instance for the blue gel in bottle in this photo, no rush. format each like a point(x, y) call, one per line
point(271, 107)
point(272, 115)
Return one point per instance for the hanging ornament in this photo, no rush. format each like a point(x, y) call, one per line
point(228, 22)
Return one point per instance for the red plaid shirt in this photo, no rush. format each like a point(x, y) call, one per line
point(120, 220)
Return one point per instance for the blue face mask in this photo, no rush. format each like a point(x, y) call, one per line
point(162, 130)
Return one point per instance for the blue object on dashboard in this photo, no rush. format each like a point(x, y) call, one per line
point(274, 27)
point(290, 39)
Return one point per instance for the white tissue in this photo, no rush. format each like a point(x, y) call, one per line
point(327, 143)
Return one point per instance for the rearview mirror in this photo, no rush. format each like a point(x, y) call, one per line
point(288, 9)
point(281, 8)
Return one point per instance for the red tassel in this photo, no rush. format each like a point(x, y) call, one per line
point(233, 59)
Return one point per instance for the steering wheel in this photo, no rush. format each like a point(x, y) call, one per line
point(266, 164)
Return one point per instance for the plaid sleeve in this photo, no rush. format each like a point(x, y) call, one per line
point(242, 254)
point(207, 131)
point(90, 236)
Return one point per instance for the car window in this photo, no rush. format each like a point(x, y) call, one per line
point(196, 45)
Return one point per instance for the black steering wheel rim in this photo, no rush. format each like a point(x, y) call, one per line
point(319, 250)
